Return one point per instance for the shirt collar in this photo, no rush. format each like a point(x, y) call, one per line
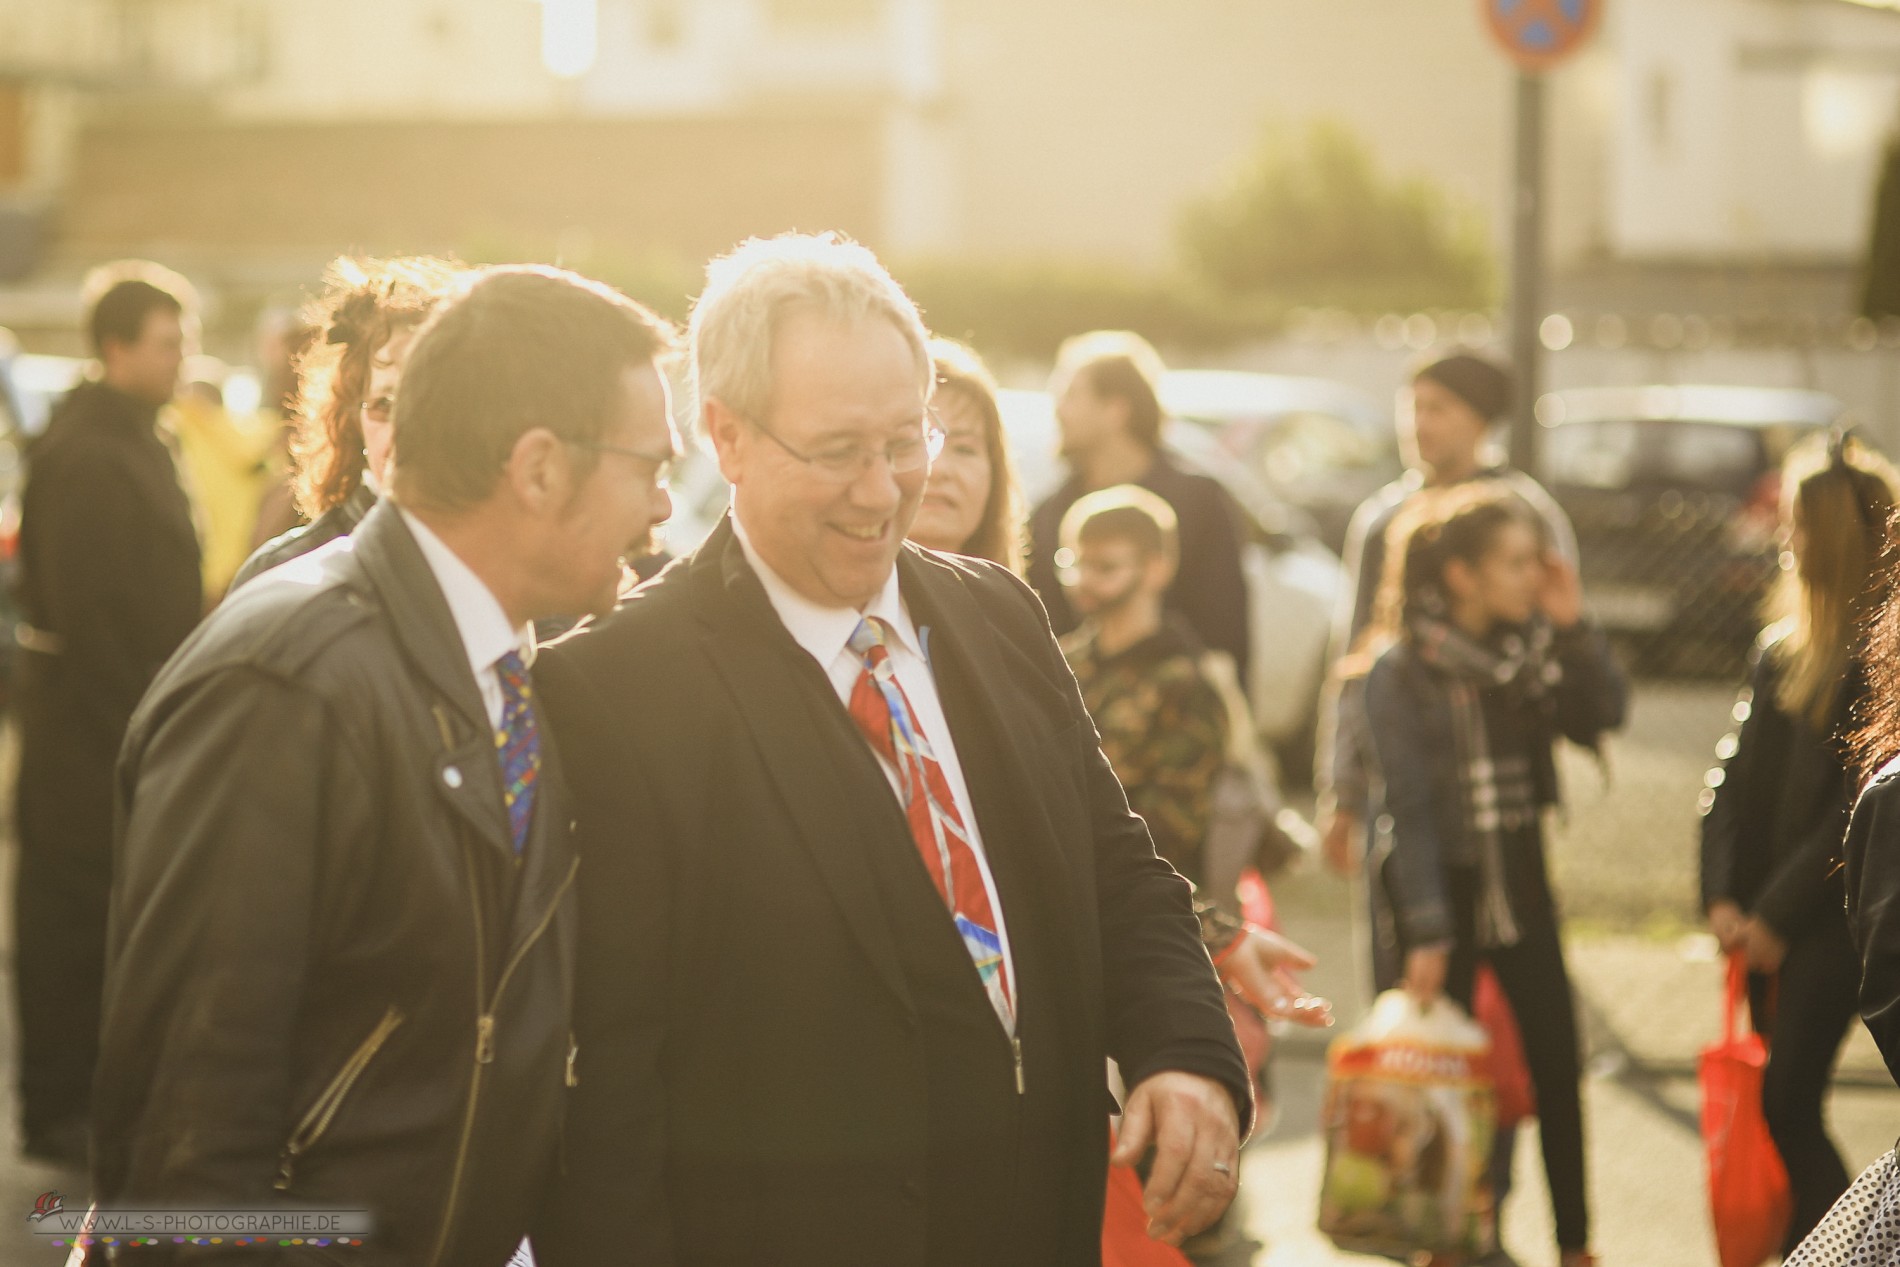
point(486, 634)
point(825, 631)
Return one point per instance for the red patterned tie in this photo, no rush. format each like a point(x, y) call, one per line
point(883, 712)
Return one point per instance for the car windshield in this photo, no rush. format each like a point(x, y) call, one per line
point(1624, 453)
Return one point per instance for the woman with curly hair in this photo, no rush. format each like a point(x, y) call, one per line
point(368, 315)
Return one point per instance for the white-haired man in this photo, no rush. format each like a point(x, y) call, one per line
point(865, 908)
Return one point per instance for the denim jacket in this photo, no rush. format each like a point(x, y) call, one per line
point(1417, 796)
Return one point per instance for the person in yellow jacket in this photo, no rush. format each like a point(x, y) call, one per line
point(225, 463)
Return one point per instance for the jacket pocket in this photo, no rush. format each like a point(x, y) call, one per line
point(317, 1118)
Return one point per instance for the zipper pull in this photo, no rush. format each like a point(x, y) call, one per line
point(573, 1050)
point(484, 1039)
point(284, 1169)
point(1016, 1050)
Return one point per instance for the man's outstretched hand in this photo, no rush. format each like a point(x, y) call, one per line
point(1192, 1125)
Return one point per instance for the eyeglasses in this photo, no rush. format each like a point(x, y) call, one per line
point(662, 465)
point(378, 408)
point(843, 463)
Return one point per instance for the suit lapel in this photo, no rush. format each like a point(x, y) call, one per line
point(791, 709)
point(467, 776)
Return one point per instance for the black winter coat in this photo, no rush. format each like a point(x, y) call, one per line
point(331, 981)
point(1775, 812)
point(109, 585)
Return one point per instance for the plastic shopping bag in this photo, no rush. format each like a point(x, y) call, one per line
point(1749, 1197)
point(1408, 1119)
point(1510, 1075)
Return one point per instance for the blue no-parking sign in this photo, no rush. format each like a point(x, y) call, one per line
point(1540, 33)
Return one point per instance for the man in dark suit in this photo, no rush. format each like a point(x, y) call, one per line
point(343, 915)
point(865, 909)
point(109, 586)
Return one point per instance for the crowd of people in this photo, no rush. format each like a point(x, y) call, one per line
point(467, 861)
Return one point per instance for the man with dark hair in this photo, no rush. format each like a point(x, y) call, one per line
point(109, 586)
point(1106, 386)
point(343, 920)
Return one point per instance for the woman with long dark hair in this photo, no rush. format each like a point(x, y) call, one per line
point(366, 316)
point(973, 504)
point(1481, 659)
point(1775, 811)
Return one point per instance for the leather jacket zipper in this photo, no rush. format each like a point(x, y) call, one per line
point(316, 1120)
point(485, 1040)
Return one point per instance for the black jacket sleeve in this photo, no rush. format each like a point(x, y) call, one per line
point(615, 1135)
point(123, 591)
point(1593, 697)
point(1739, 799)
point(226, 806)
point(1210, 589)
point(1164, 1008)
point(1873, 908)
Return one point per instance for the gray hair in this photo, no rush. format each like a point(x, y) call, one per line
point(750, 291)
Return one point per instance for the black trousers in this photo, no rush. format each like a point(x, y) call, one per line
point(1805, 1021)
point(62, 888)
point(1537, 984)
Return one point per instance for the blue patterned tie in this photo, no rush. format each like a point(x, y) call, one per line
point(517, 744)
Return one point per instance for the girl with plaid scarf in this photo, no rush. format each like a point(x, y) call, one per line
point(1480, 659)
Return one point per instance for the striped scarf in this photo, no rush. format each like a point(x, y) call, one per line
point(1499, 792)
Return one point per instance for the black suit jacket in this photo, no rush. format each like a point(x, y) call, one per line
point(751, 1072)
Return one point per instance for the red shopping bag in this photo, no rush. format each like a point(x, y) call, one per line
point(1125, 1239)
point(1510, 1076)
point(1749, 1197)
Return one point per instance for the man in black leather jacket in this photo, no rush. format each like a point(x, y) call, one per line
point(342, 928)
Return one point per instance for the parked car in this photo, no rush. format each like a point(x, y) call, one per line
point(1675, 494)
point(1316, 444)
point(1293, 579)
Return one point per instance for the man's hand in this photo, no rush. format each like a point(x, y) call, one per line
point(1425, 970)
point(1762, 946)
point(1726, 921)
point(1191, 1122)
point(1260, 970)
point(1339, 837)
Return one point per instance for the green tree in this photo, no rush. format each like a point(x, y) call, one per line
point(1311, 219)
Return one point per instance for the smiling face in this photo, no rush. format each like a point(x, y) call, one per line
point(959, 486)
point(835, 387)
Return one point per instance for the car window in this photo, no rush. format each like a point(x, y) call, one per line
point(1616, 454)
point(1301, 446)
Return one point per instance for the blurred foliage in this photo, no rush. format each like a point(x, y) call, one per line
point(1311, 220)
point(1027, 308)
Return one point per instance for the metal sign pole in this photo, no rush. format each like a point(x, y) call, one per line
point(1527, 268)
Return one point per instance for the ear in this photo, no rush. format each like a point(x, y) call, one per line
point(540, 471)
point(1159, 572)
point(727, 431)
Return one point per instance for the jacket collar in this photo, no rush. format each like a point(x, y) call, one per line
point(420, 614)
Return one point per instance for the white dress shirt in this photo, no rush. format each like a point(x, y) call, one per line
point(825, 632)
point(486, 634)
